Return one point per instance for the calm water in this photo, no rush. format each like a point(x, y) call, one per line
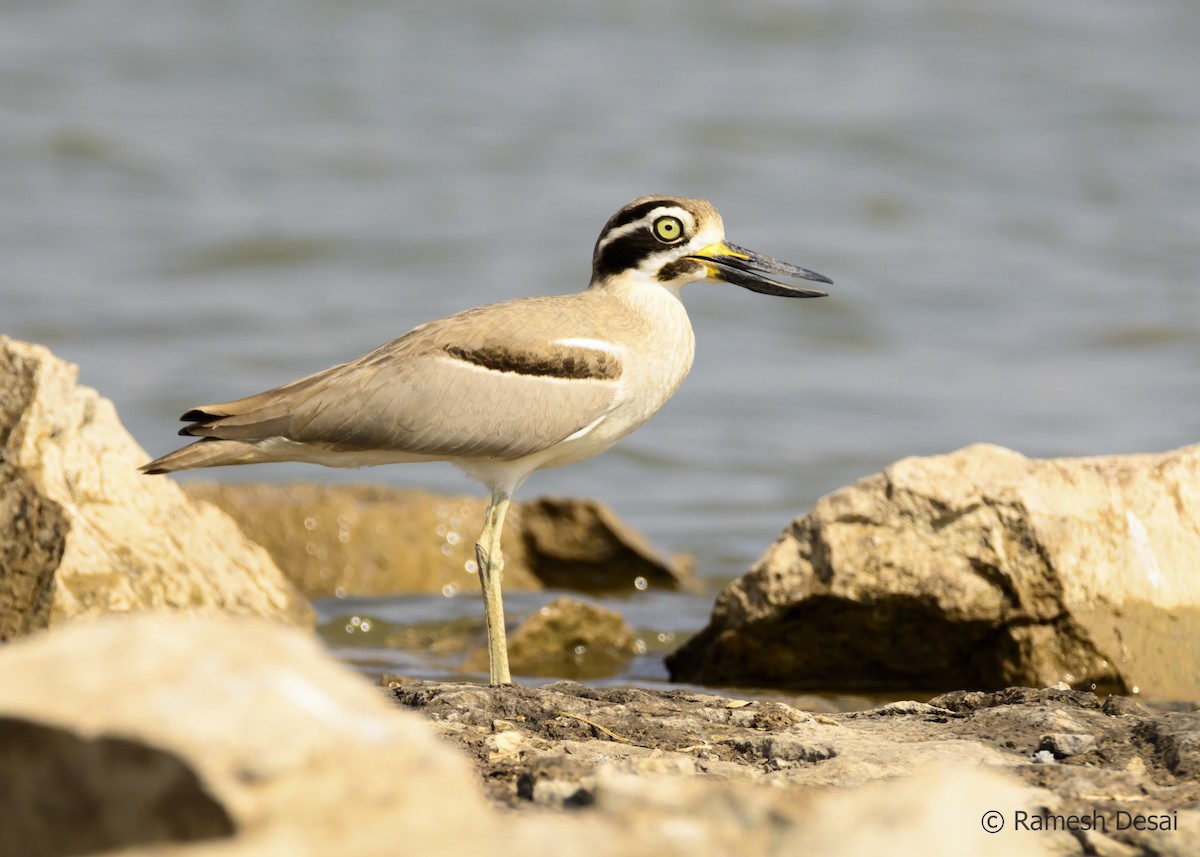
point(204, 199)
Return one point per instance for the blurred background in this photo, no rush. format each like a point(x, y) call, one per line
point(205, 199)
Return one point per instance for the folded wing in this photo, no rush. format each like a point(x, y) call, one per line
point(501, 381)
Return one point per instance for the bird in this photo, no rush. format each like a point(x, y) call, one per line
point(509, 388)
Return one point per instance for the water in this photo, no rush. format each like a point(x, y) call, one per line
point(204, 199)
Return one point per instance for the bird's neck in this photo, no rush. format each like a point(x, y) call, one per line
point(654, 315)
point(637, 287)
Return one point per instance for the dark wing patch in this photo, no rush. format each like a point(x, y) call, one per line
point(553, 361)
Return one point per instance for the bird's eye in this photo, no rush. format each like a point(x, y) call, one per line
point(668, 229)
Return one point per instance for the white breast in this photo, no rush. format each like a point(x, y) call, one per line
point(656, 346)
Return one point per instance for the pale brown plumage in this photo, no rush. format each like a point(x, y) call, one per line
point(441, 391)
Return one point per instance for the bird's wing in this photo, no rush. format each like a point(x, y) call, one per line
point(502, 381)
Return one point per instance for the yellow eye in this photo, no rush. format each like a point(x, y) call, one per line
point(668, 229)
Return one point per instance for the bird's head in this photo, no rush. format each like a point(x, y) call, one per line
point(673, 241)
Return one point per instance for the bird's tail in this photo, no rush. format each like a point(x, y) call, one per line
point(209, 452)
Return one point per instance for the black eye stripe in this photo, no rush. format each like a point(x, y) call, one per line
point(638, 232)
point(624, 253)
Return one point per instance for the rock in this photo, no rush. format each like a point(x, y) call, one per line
point(220, 736)
point(80, 520)
point(1062, 744)
point(567, 638)
point(582, 545)
point(933, 813)
point(171, 729)
point(979, 568)
point(628, 730)
point(29, 555)
point(354, 540)
point(718, 772)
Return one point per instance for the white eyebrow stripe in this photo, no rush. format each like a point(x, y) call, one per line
point(625, 230)
point(673, 210)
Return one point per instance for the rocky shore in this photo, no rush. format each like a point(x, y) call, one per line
point(164, 692)
point(1048, 754)
point(166, 734)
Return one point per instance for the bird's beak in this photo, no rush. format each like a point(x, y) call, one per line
point(738, 266)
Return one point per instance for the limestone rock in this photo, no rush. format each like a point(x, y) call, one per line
point(583, 545)
point(567, 638)
point(29, 554)
point(354, 540)
point(758, 776)
point(371, 540)
point(933, 813)
point(214, 736)
point(171, 728)
point(77, 519)
point(979, 568)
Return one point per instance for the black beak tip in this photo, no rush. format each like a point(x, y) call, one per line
point(802, 293)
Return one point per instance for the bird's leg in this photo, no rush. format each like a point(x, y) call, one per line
point(491, 570)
